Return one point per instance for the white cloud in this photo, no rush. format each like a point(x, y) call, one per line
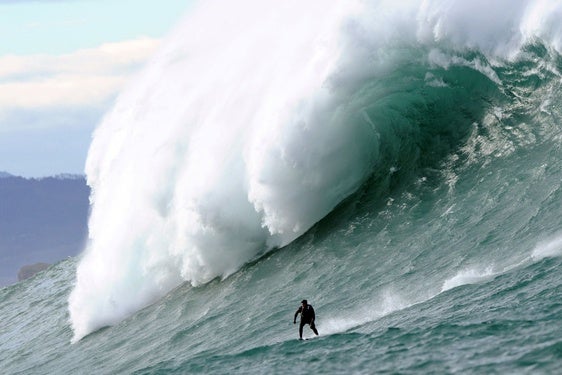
point(59, 91)
point(84, 78)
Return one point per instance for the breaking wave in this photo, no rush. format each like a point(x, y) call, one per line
point(257, 118)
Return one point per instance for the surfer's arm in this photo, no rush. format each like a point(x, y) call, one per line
point(297, 313)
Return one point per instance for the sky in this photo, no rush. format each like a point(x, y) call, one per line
point(62, 64)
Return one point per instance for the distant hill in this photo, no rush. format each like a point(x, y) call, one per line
point(30, 270)
point(41, 221)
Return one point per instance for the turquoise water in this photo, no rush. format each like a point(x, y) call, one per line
point(444, 258)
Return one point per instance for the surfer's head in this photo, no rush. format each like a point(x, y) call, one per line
point(304, 302)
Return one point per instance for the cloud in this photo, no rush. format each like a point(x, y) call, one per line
point(84, 78)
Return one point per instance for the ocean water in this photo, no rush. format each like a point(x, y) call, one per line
point(399, 166)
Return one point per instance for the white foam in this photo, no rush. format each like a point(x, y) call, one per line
point(388, 302)
point(468, 276)
point(549, 248)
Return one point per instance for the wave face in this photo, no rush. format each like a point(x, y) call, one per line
point(257, 119)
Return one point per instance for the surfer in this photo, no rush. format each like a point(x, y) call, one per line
point(307, 317)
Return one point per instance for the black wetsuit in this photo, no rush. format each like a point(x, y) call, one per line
point(307, 317)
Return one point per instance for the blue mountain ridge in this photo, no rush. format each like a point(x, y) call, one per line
point(41, 220)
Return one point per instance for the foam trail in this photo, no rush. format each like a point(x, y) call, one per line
point(242, 133)
point(388, 302)
point(468, 276)
point(550, 248)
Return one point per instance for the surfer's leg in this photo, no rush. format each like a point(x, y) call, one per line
point(313, 327)
point(300, 329)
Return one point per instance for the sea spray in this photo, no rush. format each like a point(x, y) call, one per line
point(256, 119)
point(229, 144)
point(549, 248)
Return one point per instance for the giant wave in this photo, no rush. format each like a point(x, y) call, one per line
point(257, 118)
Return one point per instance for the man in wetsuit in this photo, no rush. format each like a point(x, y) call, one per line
point(307, 317)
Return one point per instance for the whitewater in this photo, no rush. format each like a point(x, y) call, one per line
point(398, 165)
